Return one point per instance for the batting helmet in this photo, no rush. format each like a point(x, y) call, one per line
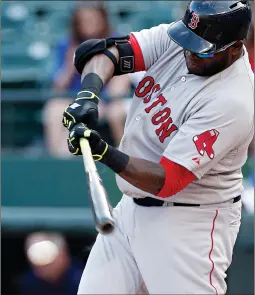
point(212, 26)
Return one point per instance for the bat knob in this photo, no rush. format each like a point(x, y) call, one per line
point(105, 227)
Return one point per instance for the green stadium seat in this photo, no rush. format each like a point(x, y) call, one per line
point(23, 61)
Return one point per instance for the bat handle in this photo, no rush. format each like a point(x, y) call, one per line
point(88, 161)
point(98, 196)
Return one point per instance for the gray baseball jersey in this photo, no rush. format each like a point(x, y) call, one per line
point(202, 123)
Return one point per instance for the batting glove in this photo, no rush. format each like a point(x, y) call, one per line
point(97, 144)
point(83, 109)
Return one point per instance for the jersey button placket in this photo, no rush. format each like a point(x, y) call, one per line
point(172, 88)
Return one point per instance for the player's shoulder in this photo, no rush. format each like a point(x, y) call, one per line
point(239, 76)
point(159, 31)
point(155, 38)
point(231, 95)
point(238, 89)
point(238, 86)
point(235, 98)
point(163, 28)
point(232, 101)
point(237, 81)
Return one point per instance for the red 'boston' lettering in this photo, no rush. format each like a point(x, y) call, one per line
point(155, 89)
point(160, 99)
point(144, 87)
point(164, 131)
point(161, 116)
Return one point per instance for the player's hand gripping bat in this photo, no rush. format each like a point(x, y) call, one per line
point(97, 193)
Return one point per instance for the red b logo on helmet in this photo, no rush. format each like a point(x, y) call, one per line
point(194, 21)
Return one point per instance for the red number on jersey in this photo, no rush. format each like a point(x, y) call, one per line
point(204, 142)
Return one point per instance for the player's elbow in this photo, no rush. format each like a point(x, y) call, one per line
point(92, 48)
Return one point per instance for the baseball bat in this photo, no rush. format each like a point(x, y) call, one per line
point(101, 208)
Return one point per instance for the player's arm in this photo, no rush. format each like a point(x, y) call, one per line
point(163, 179)
point(97, 60)
point(102, 66)
point(135, 52)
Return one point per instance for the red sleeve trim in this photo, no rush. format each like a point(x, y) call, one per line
point(139, 61)
point(177, 178)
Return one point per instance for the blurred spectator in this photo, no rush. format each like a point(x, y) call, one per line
point(52, 269)
point(86, 23)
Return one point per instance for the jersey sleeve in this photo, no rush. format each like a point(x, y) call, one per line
point(148, 45)
point(209, 134)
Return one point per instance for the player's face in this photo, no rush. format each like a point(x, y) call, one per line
point(207, 66)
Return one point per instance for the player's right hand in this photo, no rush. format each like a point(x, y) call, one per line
point(84, 109)
point(97, 144)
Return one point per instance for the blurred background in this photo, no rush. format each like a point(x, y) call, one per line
point(47, 226)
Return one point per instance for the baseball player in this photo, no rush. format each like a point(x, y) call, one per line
point(179, 162)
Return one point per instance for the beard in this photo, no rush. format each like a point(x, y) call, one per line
point(207, 66)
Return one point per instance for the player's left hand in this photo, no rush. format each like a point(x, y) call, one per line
point(83, 109)
point(97, 144)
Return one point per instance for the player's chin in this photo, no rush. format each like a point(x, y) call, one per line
point(195, 69)
point(200, 68)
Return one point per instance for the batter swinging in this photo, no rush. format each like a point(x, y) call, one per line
point(179, 162)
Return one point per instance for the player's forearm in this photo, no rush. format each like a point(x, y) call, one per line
point(145, 175)
point(101, 65)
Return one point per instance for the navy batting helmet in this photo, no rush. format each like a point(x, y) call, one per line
point(212, 26)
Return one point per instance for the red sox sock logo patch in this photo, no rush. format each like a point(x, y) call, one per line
point(194, 21)
point(204, 143)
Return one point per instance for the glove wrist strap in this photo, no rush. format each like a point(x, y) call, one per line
point(86, 94)
point(99, 157)
point(115, 159)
